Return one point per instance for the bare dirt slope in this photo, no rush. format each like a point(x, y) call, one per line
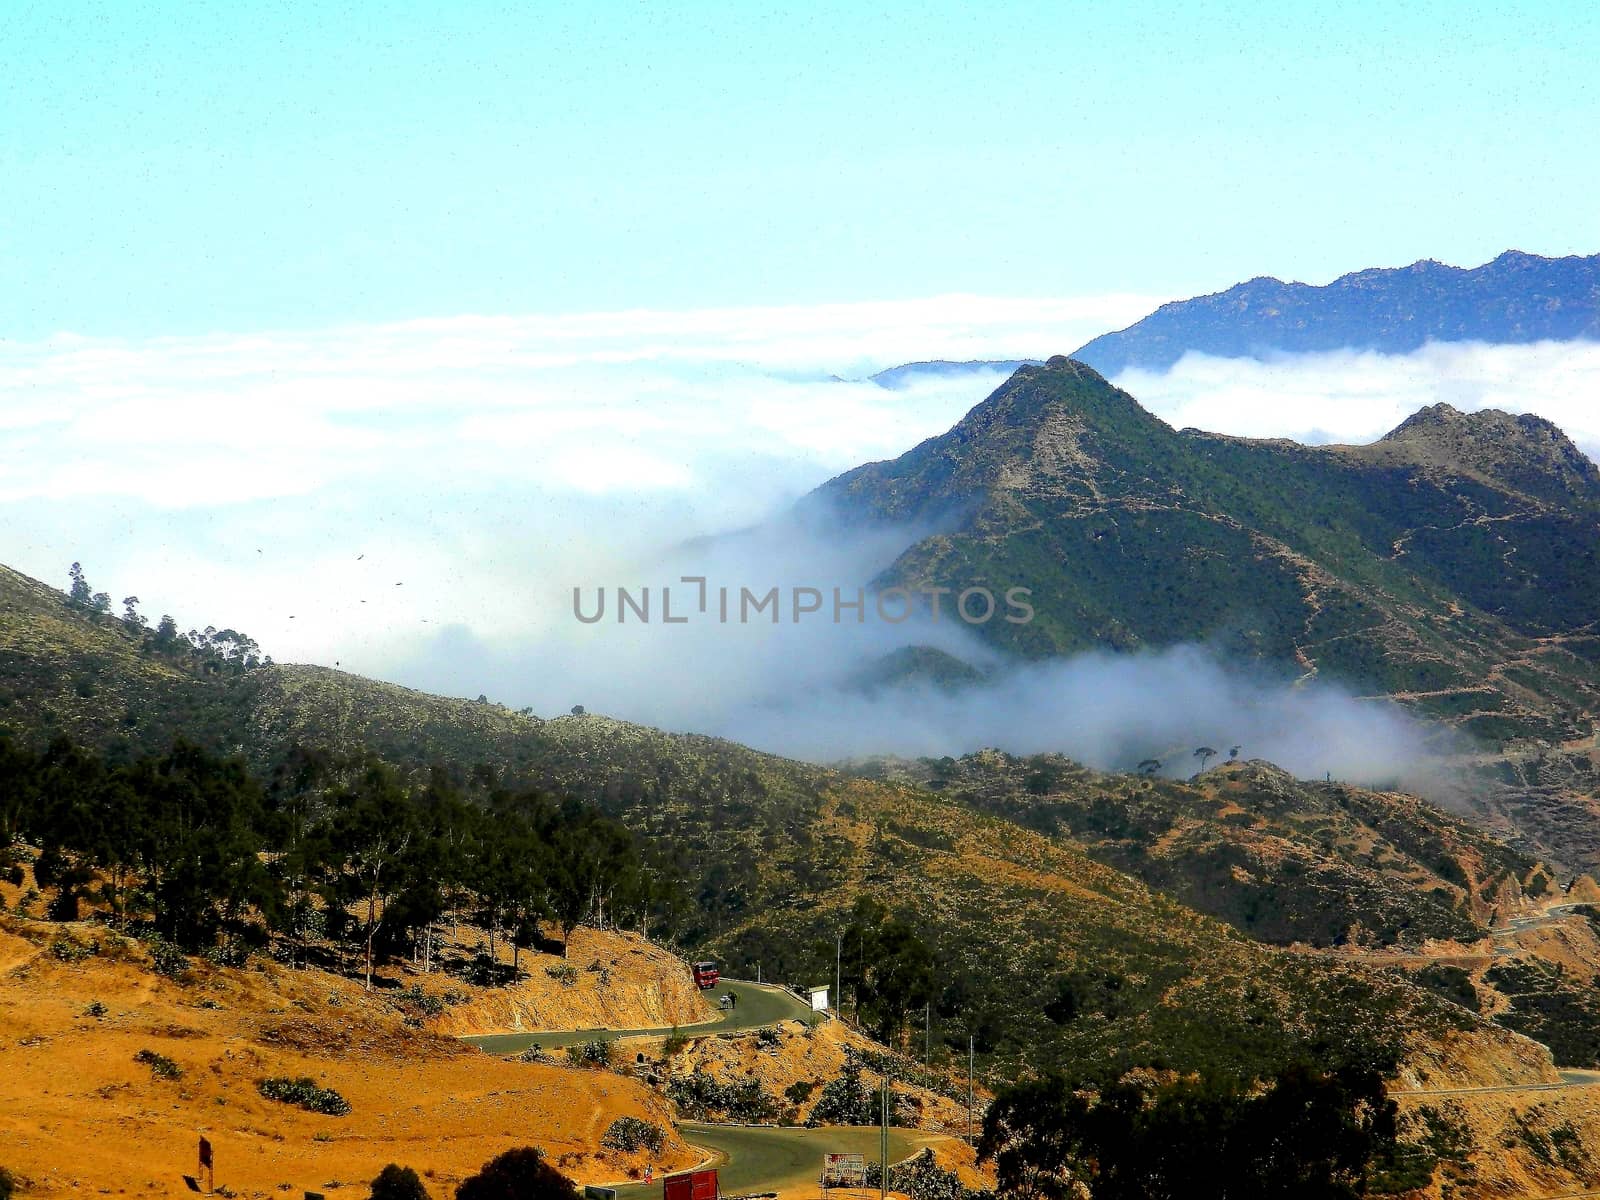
point(608, 980)
point(77, 1111)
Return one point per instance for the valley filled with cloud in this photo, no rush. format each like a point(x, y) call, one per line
point(418, 500)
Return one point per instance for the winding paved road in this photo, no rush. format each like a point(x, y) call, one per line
point(1570, 1078)
point(752, 1159)
point(749, 1159)
point(759, 1005)
point(1550, 916)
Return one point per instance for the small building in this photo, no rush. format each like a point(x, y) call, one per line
point(819, 998)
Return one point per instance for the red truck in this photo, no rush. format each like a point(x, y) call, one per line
point(691, 1185)
point(705, 974)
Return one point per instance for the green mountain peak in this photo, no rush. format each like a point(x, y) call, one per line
point(1520, 452)
point(1453, 565)
point(1059, 428)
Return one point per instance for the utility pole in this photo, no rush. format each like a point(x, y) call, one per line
point(838, 975)
point(969, 1088)
point(927, 1034)
point(883, 1146)
point(862, 981)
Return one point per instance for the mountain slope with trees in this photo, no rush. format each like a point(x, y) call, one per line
point(1282, 860)
point(360, 793)
point(950, 921)
point(1453, 565)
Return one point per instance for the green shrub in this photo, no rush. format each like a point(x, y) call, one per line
point(1551, 1007)
point(161, 1067)
point(95, 1009)
point(1445, 1133)
point(395, 1182)
point(522, 1174)
point(563, 973)
point(235, 954)
point(1559, 1146)
point(798, 1092)
point(628, 1134)
point(1452, 983)
point(306, 1094)
point(1436, 1135)
point(702, 1098)
point(597, 1053)
point(165, 958)
point(921, 1178)
point(675, 1044)
point(845, 1100)
point(431, 1006)
point(64, 949)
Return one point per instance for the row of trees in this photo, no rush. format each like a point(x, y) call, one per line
point(1309, 1132)
point(218, 649)
point(886, 966)
point(187, 843)
point(1205, 754)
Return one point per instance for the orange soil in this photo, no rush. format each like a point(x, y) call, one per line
point(619, 981)
point(77, 1112)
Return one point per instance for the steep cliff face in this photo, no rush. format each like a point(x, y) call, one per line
point(608, 980)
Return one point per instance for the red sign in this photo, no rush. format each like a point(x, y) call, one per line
point(692, 1185)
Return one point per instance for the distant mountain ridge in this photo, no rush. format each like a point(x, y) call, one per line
point(895, 378)
point(1517, 298)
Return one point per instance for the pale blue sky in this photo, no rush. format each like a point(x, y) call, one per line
point(184, 168)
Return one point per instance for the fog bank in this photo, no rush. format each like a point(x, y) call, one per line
point(416, 502)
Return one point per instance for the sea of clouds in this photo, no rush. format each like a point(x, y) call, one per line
point(417, 501)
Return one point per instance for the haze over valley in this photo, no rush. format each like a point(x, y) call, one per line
point(685, 602)
point(441, 487)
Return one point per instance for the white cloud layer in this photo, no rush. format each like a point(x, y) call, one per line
point(1357, 397)
point(286, 482)
point(416, 501)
